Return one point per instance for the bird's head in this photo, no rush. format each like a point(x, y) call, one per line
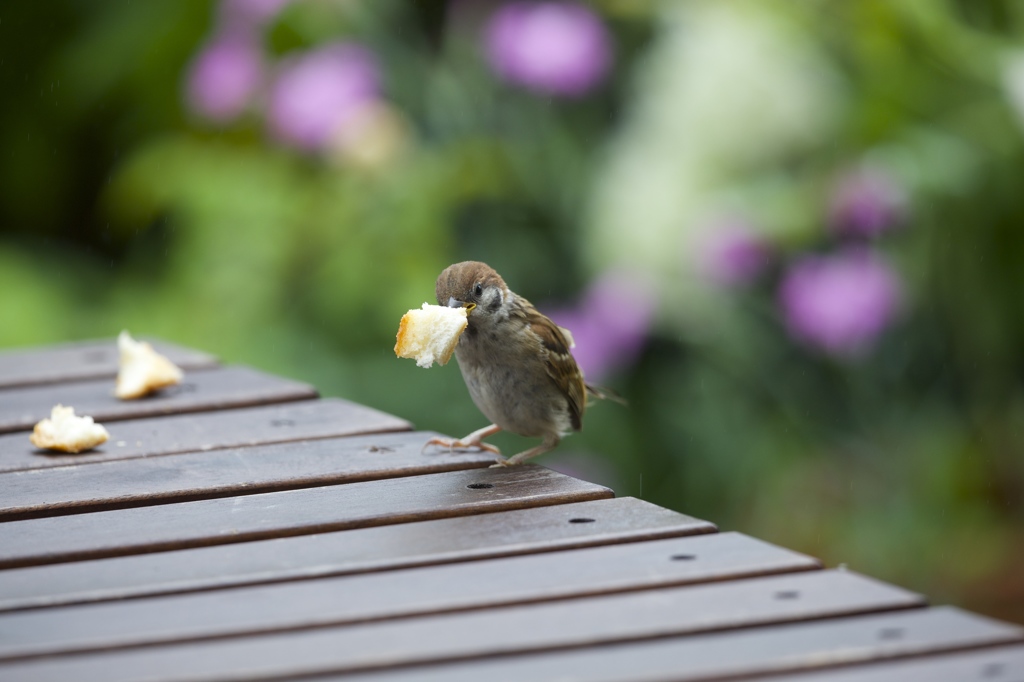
point(473, 285)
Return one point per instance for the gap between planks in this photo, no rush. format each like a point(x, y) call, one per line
point(217, 474)
point(721, 608)
point(206, 431)
point(287, 513)
point(210, 389)
point(520, 532)
point(425, 591)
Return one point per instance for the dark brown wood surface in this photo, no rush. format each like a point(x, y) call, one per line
point(381, 548)
point(236, 528)
point(781, 649)
point(238, 471)
point(429, 590)
point(290, 512)
point(211, 389)
point(174, 434)
point(591, 622)
point(84, 360)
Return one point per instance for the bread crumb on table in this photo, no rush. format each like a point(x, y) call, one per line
point(65, 432)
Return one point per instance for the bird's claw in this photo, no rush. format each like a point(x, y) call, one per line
point(458, 444)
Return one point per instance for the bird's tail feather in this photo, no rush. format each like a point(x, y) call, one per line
point(604, 393)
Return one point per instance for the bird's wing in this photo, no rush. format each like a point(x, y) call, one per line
point(560, 364)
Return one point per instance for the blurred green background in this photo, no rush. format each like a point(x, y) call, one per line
point(790, 234)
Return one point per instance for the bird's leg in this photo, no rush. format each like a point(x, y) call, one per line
point(473, 440)
point(549, 444)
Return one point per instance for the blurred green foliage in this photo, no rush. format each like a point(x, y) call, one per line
point(120, 209)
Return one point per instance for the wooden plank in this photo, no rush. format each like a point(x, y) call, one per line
point(780, 650)
point(597, 621)
point(212, 389)
point(239, 471)
point(291, 512)
point(382, 548)
point(997, 664)
point(414, 592)
point(174, 434)
point(79, 360)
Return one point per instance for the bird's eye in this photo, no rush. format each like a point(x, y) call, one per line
point(478, 290)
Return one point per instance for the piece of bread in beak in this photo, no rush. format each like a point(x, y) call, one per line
point(430, 334)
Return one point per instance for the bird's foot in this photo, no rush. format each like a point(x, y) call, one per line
point(461, 444)
point(473, 440)
point(526, 454)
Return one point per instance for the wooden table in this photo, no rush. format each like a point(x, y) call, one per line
point(237, 527)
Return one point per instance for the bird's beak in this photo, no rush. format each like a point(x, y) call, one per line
point(453, 303)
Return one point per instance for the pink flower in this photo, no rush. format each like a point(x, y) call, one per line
point(866, 203)
point(610, 325)
point(840, 303)
point(555, 48)
point(730, 253)
point(317, 94)
point(224, 77)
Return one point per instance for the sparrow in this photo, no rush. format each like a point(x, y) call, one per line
point(515, 362)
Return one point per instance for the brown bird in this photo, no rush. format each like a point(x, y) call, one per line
point(515, 361)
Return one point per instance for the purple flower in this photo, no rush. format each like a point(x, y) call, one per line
point(224, 77)
point(866, 203)
point(840, 303)
point(317, 94)
point(730, 253)
point(610, 325)
point(555, 48)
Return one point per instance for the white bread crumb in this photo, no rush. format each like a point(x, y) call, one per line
point(142, 370)
point(65, 432)
point(430, 334)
